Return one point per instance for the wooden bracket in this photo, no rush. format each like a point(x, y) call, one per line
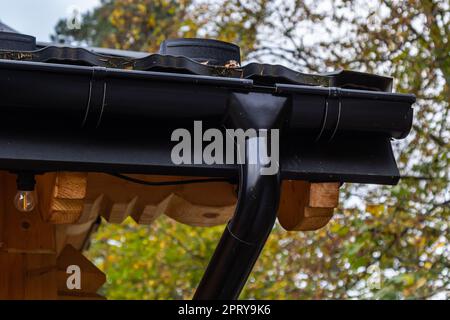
point(205, 204)
point(61, 196)
point(67, 197)
point(307, 206)
point(91, 278)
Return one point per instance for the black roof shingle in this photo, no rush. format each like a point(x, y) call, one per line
point(5, 28)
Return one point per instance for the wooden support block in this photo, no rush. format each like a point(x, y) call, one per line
point(91, 278)
point(307, 206)
point(74, 235)
point(186, 212)
point(324, 195)
point(77, 234)
point(62, 196)
point(146, 216)
point(120, 211)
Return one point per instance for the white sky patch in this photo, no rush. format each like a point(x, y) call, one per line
point(39, 18)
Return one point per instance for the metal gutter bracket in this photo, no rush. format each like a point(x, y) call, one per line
point(259, 194)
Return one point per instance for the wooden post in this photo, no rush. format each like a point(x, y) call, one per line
point(30, 267)
point(27, 249)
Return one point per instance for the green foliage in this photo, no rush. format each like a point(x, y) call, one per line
point(142, 25)
point(161, 261)
point(131, 25)
point(402, 230)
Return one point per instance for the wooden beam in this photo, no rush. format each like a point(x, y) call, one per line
point(24, 232)
point(91, 278)
point(65, 197)
point(25, 276)
point(191, 214)
point(77, 234)
point(29, 264)
point(303, 205)
point(307, 206)
point(62, 196)
point(187, 204)
point(27, 249)
point(324, 195)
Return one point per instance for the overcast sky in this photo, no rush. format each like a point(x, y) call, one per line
point(38, 18)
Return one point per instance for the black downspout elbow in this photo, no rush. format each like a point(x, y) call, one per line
point(256, 211)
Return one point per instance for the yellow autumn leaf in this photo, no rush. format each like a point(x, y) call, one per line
point(141, 7)
point(375, 209)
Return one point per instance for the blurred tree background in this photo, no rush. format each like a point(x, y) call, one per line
point(401, 231)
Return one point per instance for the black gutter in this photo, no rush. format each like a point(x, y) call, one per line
point(82, 95)
point(120, 121)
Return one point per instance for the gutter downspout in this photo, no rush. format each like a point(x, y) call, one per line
point(256, 211)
